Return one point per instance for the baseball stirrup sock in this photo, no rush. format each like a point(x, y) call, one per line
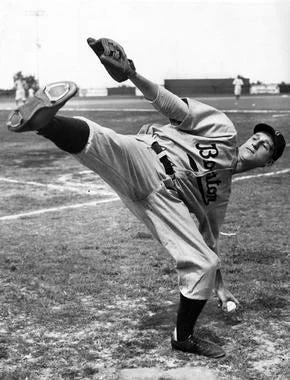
point(187, 315)
point(68, 134)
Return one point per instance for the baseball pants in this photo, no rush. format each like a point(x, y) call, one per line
point(135, 173)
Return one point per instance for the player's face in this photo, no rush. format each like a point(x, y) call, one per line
point(257, 150)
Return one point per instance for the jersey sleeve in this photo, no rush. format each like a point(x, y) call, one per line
point(192, 116)
point(171, 106)
point(206, 121)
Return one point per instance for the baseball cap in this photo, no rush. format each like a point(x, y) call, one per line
point(277, 137)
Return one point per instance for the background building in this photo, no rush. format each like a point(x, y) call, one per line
point(192, 87)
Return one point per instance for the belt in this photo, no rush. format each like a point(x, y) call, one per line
point(163, 158)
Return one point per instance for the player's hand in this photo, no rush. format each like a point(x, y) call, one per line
point(225, 296)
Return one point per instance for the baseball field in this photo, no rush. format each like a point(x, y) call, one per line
point(86, 292)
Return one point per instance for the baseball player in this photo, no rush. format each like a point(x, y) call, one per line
point(238, 84)
point(165, 175)
point(19, 92)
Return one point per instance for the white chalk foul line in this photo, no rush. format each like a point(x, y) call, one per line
point(93, 203)
point(257, 111)
point(228, 233)
point(242, 178)
point(97, 109)
point(49, 186)
point(60, 208)
point(281, 115)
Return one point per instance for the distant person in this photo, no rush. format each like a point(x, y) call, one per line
point(164, 175)
point(238, 84)
point(19, 92)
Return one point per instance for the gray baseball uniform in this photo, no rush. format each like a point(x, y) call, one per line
point(203, 152)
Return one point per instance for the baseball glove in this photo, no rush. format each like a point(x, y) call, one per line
point(113, 57)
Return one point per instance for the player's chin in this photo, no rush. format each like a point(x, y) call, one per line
point(249, 161)
point(246, 156)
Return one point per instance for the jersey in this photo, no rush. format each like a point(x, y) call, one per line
point(203, 151)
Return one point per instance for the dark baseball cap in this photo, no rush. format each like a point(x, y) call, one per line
point(277, 137)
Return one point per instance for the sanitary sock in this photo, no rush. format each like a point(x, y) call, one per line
point(68, 134)
point(188, 312)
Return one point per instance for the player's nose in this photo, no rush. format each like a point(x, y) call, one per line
point(255, 143)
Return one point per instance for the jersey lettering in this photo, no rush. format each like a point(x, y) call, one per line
point(207, 151)
point(209, 191)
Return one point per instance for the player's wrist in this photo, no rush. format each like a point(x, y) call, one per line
point(132, 75)
point(131, 72)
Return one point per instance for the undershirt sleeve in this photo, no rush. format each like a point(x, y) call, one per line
point(170, 105)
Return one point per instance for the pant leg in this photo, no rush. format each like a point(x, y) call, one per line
point(129, 166)
point(170, 222)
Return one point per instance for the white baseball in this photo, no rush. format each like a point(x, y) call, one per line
point(231, 306)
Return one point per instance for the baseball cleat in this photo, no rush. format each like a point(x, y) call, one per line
point(198, 346)
point(39, 110)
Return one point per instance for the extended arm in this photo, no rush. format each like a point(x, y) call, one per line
point(120, 68)
point(148, 88)
point(182, 115)
point(222, 293)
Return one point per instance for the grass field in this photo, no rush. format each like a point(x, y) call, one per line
point(86, 291)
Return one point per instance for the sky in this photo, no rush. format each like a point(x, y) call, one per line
point(165, 38)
